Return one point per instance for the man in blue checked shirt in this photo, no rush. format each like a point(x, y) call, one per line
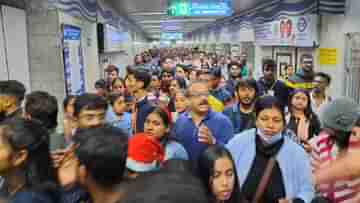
point(201, 127)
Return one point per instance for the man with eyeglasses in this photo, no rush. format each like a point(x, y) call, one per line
point(201, 127)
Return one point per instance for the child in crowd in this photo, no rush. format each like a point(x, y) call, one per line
point(116, 114)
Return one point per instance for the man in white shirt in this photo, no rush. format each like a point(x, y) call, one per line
point(319, 96)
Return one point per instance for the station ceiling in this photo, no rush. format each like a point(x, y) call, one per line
point(149, 14)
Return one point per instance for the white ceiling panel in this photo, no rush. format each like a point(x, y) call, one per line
point(148, 14)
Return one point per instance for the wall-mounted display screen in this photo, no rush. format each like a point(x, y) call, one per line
point(111, 39)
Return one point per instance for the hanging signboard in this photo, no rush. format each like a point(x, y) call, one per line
point(171, 26)
point(299, 31)
point(199, 8)
point(327, 56)
point(73, 60)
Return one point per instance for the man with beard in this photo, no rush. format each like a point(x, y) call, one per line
point(270, 85)
point(201, 127)
point(303, 79)
point(12, 93)
point(318, 95)
point(242, 114)
point(234, 69)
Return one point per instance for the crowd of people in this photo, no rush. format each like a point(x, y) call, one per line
point(183, 125)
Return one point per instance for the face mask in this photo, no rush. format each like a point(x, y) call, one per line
point(269, 140)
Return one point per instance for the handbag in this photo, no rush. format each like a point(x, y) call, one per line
point(264, 181)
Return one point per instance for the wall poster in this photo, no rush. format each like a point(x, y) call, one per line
point(73, 60)
point(328, 56)
point(299, 31)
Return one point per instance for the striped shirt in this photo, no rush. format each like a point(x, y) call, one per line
point(325, 151)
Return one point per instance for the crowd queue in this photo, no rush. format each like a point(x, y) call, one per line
point(183, 126)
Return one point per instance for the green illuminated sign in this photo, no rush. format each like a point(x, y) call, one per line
point(179, 8)
point(199, 7)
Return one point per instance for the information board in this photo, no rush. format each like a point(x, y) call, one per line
point(73, 60)
point(328, 56)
